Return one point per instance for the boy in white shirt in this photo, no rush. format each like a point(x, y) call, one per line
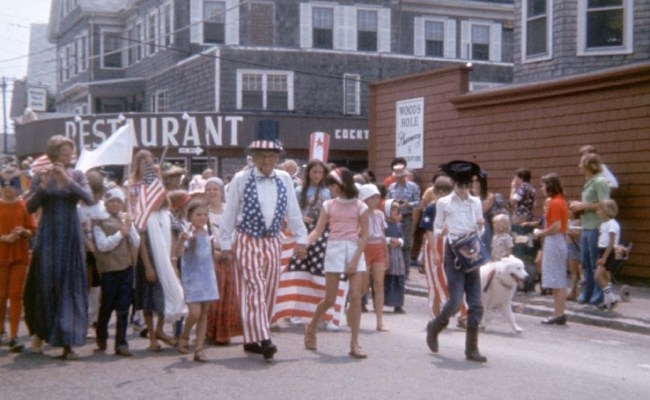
point(608, 237)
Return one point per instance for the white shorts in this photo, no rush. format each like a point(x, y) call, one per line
point(339, 253)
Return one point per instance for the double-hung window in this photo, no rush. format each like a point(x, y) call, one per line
point(323, 27)
point(605, 26)
point(264, 90)
point(214, 21)
point(366, 30)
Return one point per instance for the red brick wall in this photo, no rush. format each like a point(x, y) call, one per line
point(539, 126)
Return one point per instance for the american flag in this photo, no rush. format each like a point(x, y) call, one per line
point(300, 292)
point(150, 198)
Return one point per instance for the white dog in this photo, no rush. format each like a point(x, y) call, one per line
point(499, 280)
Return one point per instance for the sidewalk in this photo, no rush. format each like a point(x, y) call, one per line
point(631, 316)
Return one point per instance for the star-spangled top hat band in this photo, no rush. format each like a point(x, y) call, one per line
point(266, 136)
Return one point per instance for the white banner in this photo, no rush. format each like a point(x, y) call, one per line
point(409, 131)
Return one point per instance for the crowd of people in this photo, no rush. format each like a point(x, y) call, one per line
point(207, 257)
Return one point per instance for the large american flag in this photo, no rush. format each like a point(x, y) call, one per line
point(300, 291)
point(151, 196)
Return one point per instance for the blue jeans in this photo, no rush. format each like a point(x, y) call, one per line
point(591, 292)
point(116, 295)
point(459, 283)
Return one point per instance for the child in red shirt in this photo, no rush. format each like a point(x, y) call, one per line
point(16, 228)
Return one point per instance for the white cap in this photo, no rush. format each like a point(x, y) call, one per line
point(368, 190)
point(114, 193)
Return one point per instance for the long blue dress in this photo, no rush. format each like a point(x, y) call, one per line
point(56, 293)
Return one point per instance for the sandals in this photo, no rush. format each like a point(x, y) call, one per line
point(154, 348)
point(199, 356)
point(168, 340)
point(184, 346)
point(310, 339)
point(357, 352)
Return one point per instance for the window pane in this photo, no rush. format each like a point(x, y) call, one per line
point(276, 83)
point(252, 100)
point(605, 28)
point(434, 48)
point(604, 3)
point(350, 94)
point(323, 38)
point(252, 82)
point(112, 55)
point(323, 18)
point(536, 37)
point(536, 7)
point(367, 41)
point(367, 20)
point(480, 52)
point(213, 33)
point(276, 100)
point(434, 30)
point(480, 34)
point(214, 11)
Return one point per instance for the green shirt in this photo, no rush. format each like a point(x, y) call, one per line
point(595, 190)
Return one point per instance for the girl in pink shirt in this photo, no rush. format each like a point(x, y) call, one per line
point(348, 224)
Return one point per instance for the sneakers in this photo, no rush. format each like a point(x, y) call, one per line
point(3, 338)
point(15, 346)
point(610, 303)
point(37, 344)
point(296, 321)
point(332, 327)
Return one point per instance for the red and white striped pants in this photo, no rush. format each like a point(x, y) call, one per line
point(258, 266)
point(437, 280)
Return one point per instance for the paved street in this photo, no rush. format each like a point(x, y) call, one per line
point(544, 362)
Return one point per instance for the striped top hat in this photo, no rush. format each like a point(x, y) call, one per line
point(266, 136)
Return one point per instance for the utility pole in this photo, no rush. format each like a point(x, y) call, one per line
point(4, 114)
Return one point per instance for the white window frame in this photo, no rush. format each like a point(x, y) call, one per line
point(151, 43)
point(548, 54)
point(264, 74)
point(357, 94)
point(167, 39)
point(495, 46)
point(419, 39)
point(160, 101)
point(232, 22)
point(102, 32)
point(139, 40)
point(81, 43)
point(628, 32)
point(345, 26)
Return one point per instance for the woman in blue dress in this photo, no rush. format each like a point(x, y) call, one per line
point(56, 293)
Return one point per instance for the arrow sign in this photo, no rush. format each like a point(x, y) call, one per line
point(197, 151)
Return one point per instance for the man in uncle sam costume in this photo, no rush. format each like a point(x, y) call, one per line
point(258, 201)
point(457, 215)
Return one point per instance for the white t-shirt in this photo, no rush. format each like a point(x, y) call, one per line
point(606, 228)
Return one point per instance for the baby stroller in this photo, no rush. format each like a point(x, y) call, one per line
point(525, 248)
point(621, 254)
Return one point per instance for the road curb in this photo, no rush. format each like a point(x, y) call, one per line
point(612, 320)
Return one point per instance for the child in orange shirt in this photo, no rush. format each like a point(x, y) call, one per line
point(16, 228)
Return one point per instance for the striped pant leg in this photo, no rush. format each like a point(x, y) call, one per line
point(258, 271)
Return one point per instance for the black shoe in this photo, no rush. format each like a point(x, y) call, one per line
point(144, 333)
point(123, 351)
point(15, 346)
point(364, 308)
point(254, 348)
point(399, 310)
point(561, 320)
point(268, 349)
point(101, 344)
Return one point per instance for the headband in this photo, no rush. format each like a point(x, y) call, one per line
point(336, 174)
